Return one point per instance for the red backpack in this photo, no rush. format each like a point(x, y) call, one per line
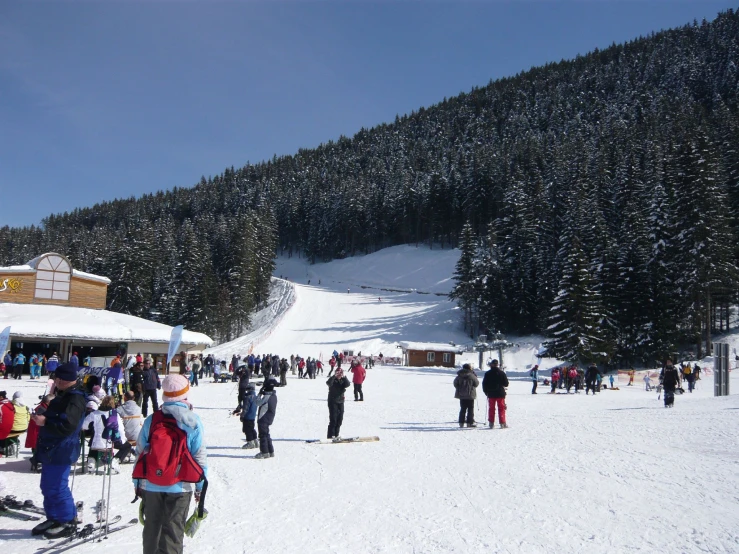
point(573, 373)
point(167, 460)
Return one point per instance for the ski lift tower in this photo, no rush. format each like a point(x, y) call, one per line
point(484, 345)
point(481, 346)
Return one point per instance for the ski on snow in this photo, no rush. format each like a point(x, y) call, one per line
point(7, 512)
point(342, 440)
point(86, 534)
point(24, 506)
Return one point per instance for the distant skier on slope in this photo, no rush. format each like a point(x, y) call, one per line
point(670, 380)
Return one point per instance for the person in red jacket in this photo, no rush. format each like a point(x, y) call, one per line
point(359, 373)
point(33, 428)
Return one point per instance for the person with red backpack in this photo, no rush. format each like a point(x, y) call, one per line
point(171, 464)
point(555, 380)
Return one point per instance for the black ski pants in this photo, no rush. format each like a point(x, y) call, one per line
point(283, 378)
point(589, 385)
point(335, 419)
point(358, 394)
point(466, 406)
point(248, 428)
point(145, 402)
point(533, 389)
point(265, 441)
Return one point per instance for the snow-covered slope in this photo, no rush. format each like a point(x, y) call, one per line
point(573, 474)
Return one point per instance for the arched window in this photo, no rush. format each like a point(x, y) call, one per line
point(52, 277)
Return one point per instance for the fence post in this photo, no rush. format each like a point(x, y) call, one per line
point(721, 369)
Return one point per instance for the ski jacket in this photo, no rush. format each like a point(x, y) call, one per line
point(267, 407)
point(465, 385)
point(336, 388)
point(332, 362)
point(358, 374)
point(32, 434)
point(243, 378)
point(7, 418)
point(130, 414)
point(188, 421)
point(104, 427)
point(8, 360)
point(670, 379)
point(249, 406)
point(284, 366)
point(59, 439)
point(495, 382)
point(257, 363)
point(591, 375)
point(534, 374)
point(20, 359)
point(21, 419)
point(136, 378)
point(151, 379)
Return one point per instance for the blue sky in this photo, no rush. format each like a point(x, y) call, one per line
point(103, 99)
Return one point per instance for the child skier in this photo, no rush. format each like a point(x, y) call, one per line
point(267, 406)
point(248, 410)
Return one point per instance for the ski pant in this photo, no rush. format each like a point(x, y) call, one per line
point(194, 379)
point(466, 410)
point(283, 378)
point(669, 397)
point(17, 371)
point(58, 502)
point(501, 410)
point(335, 419)
point(145, 402)
point(247, 427)
point(590, 385)
point(691, 384)
point(533, 389)
point(554, 385)
point(165, 514)
point(358, 394)
point(265, 441)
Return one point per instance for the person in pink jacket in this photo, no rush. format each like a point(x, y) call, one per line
point(358, 373)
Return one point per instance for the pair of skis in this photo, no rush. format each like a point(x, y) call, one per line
point(12, 508)
point(87, 534)
point(342, 440)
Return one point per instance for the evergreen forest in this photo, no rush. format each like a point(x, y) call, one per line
point(595, 200)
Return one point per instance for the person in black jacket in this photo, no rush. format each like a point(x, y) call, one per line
point(670, 380)
point(266, 410)
point(58, 447)
point(337, 384)
point(243, 373)
point(151, 384)
point(591, 376)
point(136, 382)
point(493, 385)
point(465, 385)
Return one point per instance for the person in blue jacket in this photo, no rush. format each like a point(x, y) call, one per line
point(534, 377)
point(248, 410)
point(18, 363)
point(58, 447)
point(165, 507)
point(74, 360)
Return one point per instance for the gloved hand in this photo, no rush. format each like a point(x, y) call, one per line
point(141, 513)
point(193, 523)
point(159, 386)
point(197, 496)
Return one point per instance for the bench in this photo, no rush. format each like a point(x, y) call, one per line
point(11, 444)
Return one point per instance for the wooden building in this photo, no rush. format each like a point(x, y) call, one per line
point(426, 354)
point(51, 307)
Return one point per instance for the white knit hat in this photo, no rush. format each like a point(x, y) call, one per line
point(175, 387)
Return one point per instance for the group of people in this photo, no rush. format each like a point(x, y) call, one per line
point(494, 385)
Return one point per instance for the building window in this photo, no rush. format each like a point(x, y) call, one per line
point(447, 357)
point(52, 278)
point(430, 356)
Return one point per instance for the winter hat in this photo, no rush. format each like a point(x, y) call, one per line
point(466, 366)
point(493, 363)
point(66, 372)
point(18, 398)
point(269, 385)
point(175, 387)
point(91, 405)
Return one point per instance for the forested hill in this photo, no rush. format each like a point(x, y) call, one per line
point(627, 158)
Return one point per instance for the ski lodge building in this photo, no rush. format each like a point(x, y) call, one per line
point(51, 307)
point(425, 354)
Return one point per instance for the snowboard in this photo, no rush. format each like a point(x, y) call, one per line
point(342, 440)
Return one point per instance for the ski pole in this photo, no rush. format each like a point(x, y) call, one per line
point(101, 512)
point(110, 480)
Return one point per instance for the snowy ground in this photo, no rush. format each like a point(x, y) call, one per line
point(573, 473)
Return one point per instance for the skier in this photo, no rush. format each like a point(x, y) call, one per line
point(555, 380)
point(18, 363)
point(465, 384)
point(631, 378)
point(670, 380)
point(283, 372)
point(610, 380)
point(534, 374)
point(151, 385)
point(358, 376)
point(337, 384)
point(248, 410)
point(164, 506)
point(332, 364)
point(591, 376)
point(647, 382)
point(243, 374)
point(689, 376)
point(266, 409)
point(57, 448)
point(493, 385)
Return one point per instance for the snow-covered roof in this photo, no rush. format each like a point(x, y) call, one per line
point(64, 322)
point(429, 346)
point(32, 266)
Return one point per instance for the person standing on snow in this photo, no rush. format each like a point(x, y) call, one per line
point(591, 376)
point(555, 380)
point(493, 385)
point(57, 448)
point(534, 374)
point(337, 384)
point(151, 385)
point(465, 384)
point(670, 380)
point(358, 376)
point(283, 372)
point(164, 506)
point(248, 410)
point(647, 382)
point(266, 410)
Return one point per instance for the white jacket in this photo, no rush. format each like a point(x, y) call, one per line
point(130, 415)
